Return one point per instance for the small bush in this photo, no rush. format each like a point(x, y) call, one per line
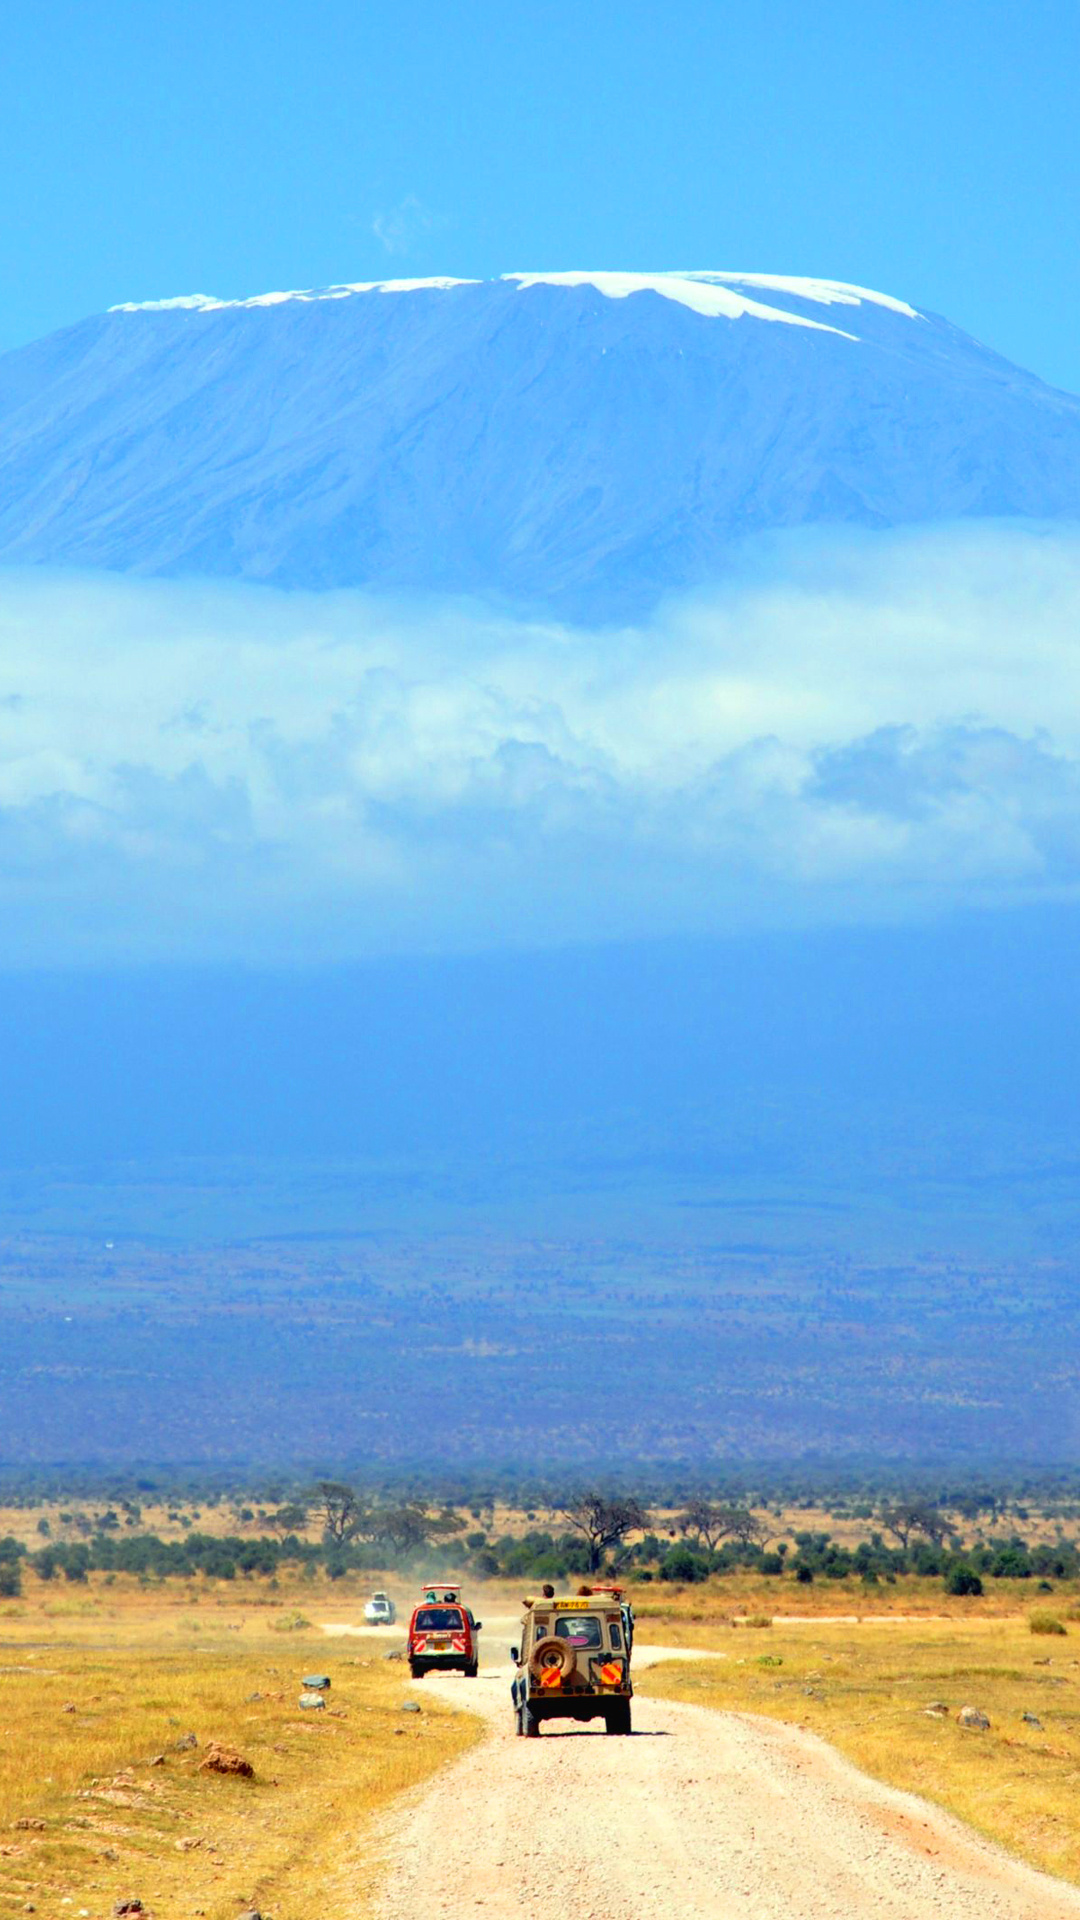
point(757, 1620)
point(805, 1576)
point(1046, 1623)
point(684, 1566)
point(290, 1623)
point(963, 1580)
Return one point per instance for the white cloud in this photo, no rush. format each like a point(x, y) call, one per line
point(871, 726)
point(400, 227)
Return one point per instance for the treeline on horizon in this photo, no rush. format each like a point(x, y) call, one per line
point(987, 1486)
point(589, 1533)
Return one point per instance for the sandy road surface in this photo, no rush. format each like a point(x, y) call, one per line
point(697, 1816)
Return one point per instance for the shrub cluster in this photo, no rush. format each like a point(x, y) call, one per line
point(148, 1556)
point(12, 1553)
point(536, 1555)
point(600, 1534)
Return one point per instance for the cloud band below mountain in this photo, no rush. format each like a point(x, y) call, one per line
point(869, 726)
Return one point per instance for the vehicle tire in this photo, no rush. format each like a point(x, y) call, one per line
point(530, 1725)
point(472, 1669)
point(518, 1722)
point(552, 1653)
point(618, 1717)
point(417, 1669)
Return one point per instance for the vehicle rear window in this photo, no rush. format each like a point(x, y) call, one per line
point(438, 1620)
point(581, 1629)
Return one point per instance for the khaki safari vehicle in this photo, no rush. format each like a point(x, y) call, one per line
point(574, 1661)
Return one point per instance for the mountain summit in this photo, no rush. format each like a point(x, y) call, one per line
point(576, 442)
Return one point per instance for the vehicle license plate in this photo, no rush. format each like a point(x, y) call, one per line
point(440, 1643)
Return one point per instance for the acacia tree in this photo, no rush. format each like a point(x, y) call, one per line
point(971, 1503)
point(292, 1518)
point(340, 1508)
point(407, 1528)
point(603, 1523)
point(933, 1523)
point(916, 1516)
point(404, 1529)
point(709, 1523)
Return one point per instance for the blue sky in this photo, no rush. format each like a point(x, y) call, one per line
point(929, 151)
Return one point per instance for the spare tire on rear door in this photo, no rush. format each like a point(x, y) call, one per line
point(552, 1656)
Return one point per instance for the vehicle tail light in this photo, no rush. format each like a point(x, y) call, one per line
point(608, 1673)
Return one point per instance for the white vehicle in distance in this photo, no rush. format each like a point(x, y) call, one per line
point(380, 1611)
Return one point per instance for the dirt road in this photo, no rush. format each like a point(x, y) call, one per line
point(697, 1816)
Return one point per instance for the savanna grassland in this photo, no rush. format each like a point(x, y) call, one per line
point(102, 1797)
point(106, 1675)
point(887, 1693)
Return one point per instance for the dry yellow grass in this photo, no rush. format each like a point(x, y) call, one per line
point(866, 1688)
point(737, 1594)
point(142, 1666)
point(94, 1685)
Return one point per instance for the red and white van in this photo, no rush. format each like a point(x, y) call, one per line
point(443, 1636)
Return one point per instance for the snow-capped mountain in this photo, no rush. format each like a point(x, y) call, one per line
point(583, 442)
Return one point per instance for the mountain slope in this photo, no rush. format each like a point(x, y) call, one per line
point(579, 442)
